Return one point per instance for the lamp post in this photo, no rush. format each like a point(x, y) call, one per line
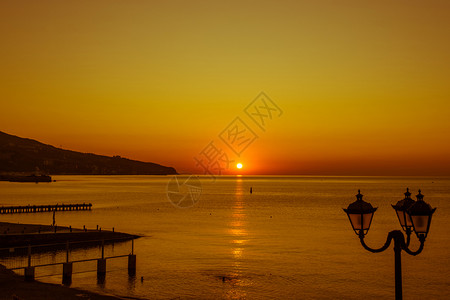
point(401, 209)
point(412, 215)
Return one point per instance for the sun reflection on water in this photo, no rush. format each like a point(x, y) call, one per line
point(237, 230)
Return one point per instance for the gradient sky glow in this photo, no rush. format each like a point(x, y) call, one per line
point(364, 85)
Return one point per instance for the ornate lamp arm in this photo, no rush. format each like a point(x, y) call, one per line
point(407, 250)
point(408, 236)
point(386, 245)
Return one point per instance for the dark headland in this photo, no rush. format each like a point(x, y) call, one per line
point(22, 156)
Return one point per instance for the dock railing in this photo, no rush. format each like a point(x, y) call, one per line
point(31, 257)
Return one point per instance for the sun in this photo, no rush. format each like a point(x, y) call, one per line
point(239, 166)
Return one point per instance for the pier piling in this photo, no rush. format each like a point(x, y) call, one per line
point(101, 267)
point(67, 273)
point(29, 274)
point(29, 256)
point(132, 264)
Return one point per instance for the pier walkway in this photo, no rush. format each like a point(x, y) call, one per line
point(44, 208)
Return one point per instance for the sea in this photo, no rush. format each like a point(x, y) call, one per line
point(210, 238)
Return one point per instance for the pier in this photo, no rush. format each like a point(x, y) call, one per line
point(24, 260)
point(44, 208)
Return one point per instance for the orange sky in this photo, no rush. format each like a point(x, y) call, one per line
point(363, 85)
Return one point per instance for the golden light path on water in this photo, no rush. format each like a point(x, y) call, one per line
point(238, 232)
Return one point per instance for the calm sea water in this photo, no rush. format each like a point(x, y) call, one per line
point(289, 239)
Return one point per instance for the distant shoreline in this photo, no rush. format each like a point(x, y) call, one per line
point(26, 178)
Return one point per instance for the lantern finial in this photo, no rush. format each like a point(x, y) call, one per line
point(419, 196)
point(359, 196)
point(407, 194)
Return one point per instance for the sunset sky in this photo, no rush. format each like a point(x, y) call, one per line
point(363, 86)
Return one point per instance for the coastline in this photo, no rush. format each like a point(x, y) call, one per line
point(14, 286)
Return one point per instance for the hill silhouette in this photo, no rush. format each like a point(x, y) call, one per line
point(22, 155)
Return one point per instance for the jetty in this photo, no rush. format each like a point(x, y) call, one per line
point(21, 235)
point(44, 208)
point(23, 247)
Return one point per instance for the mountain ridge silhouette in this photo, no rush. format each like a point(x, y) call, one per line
point(25, 155)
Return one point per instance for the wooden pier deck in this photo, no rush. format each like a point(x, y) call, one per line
point(44, 208)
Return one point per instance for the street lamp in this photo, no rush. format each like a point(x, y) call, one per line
point(420, 214)
point(412, 216)
point(401, 209)
point(360, 214)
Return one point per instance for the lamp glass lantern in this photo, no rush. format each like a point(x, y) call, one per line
point(420, 214)
point(401, 209)
point(360, 213)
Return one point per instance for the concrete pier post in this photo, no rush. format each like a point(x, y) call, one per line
point(29, 271)
point(29, 274)
point(67, 251)
point(101, 267)
point(29, 255)
point(131, 264)
point(67, 273)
